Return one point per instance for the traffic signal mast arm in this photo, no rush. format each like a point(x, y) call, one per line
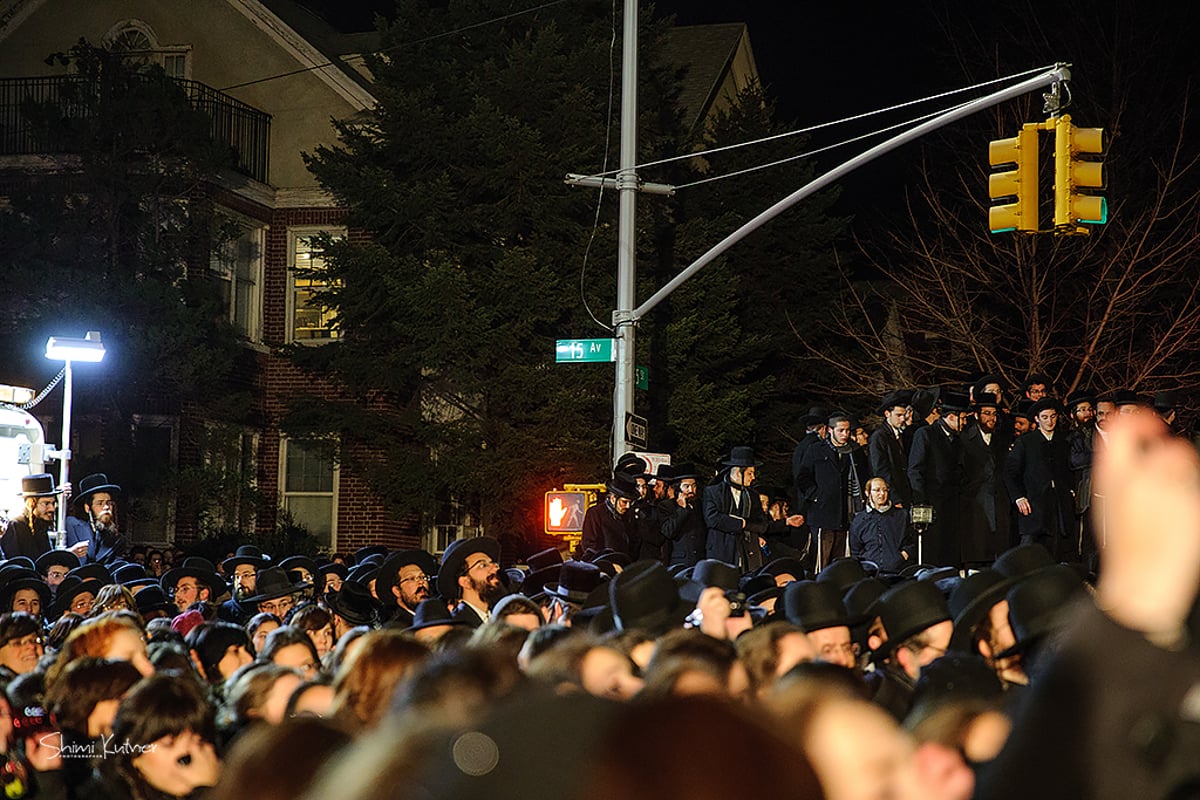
point(1059, 73)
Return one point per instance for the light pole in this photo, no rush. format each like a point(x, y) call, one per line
point(65, 349)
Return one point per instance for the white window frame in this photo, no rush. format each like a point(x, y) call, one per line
point(258, 240)
point(284, 494)
point(294, 234)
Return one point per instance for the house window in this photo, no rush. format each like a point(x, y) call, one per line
point(140, 45)
point(236, 264)
point(149, 513)
point(309, 322)
point(309, 484)
point(231, 478)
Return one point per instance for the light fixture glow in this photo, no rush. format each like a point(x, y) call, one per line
point(89, 348)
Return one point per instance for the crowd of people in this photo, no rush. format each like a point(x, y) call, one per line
point(739, 651)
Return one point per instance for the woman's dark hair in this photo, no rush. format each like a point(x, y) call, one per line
point(256, 622)
point(310, 617)
point(85, 683)
point(173, 657)
point(210, 641)
point(17, 624)
point(286, 637)
point(61, 629)
point(157, 706)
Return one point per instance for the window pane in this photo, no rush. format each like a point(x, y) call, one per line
point(309, 321)
point(308, 470)
point(314, 513)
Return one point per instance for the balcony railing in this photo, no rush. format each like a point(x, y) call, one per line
point(243, 128)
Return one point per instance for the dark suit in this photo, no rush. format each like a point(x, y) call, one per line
point(685, 531)
point(603, 529)
point(1038, 469)
point(985, 517)
point(728, 521)
point(934, 472)
point(890, 462)
point(824, 482)
point(19, 540)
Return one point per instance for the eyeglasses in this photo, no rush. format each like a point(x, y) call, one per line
point(82, 604)
point(27, 641)
point(831, 650)
point(57, 574)
point(277, 607)
point(246, 573)
point(486, 563)
point(422, 578)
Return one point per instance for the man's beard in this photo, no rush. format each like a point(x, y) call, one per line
point(488, 591)
point(410, 599)
point(106, 529)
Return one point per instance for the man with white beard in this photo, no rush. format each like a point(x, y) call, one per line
point(94, 536)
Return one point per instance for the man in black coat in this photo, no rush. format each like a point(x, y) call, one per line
point(832, 484)
point(683, 524)
point(29, 534)
point(1038, 475)
point(985, 517)
point(814, 423)
point(885, 448)
point(935, 476)
point(608, 524)
point(738, 528)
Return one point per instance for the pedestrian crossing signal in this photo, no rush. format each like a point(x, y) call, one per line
point(564, 511)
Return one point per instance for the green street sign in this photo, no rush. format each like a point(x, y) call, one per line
point(642, 377)
point(585, 350)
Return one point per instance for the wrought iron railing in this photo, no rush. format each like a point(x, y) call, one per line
point(243, 128)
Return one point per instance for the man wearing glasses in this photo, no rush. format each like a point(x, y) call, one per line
point(470, 574)
point(402, 583)
point(1037, 473)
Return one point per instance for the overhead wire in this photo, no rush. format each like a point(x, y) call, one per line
point(612, 83)
point(399, 46)
point(823, 125)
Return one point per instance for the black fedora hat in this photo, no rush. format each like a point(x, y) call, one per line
point(341, 570)
point(923, 401)
point(152, 599)
point(632, 465)
point(91, 484)
point(897, 397)
point(19, 578)
point(195, 567)
point(910, 608)
point(623, 486)
point(316, 578)
point(1021, 409)
point(710, 572)
point(862, 600)
point(68, 590)
point(741, 456)
point(1045, 404)
point(1080, 396)
point(363, 553)
point(955, 402)
point(644, 597)
point(971, 601)
point(1022, 560)
point(431, 613)
point(544, 566)
point(816, 415)
point(56, 558)
point(454, 561)
point(1037, 605)
point(389, 571)
point(814, 606)
point(354, 604)
point(576, 581)
point(274, 582)
point(95, 571)
point(40, 484)
point(362, 574)
point(682, 471)
point(843, 573)
point(785, 565)
point(987, 400)
point(246, 554)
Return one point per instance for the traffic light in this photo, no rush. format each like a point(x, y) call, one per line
point(1020, 181)
point(1072, 174)
point(564, 511)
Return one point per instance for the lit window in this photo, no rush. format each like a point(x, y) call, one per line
point(310, 322)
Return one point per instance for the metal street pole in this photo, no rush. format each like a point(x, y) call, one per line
point(64, 463)
point(627, 185)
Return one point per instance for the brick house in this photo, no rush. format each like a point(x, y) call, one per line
point(271, 75)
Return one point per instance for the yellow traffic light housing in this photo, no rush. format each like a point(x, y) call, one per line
point(1019, 182)
point(1075, 176)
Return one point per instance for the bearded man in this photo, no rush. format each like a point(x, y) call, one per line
point(470, 574)
point(29, 534)
point(93, 536)
point(402, 583)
